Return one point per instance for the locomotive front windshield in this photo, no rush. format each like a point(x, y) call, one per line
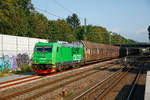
point(43, 49)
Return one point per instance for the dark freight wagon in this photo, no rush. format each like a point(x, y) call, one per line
point(96, 51)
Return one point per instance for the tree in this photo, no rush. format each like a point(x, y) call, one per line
point(73, 21)
point(15, 16)
point(25, 5)
point(118, 39)
point(40, 26)
point(18, 17)
point(60, 30)
point(97, 34)
point(149, 32)
point(79, 33)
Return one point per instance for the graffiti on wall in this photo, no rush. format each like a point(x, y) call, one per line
point(12, 62)
point(4, 64)
point(22, 59)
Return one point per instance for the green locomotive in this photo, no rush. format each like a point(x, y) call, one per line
point(58, 56)
point(49, 57)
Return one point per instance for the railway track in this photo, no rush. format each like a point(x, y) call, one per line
point(91, 93)
point(50, 86)
point(134, 83)
point(32, 78)
point(23, 80)
point(101, 89)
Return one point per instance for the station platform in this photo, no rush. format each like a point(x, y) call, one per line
point(147, 87)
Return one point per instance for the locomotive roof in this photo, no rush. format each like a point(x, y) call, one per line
point(43, 44)
point(71, 45)
point(64, 44)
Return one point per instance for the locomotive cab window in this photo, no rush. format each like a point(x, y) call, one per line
point(47, 49)
point(39, 49)
point(43, 49)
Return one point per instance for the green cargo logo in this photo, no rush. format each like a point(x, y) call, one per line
point(76, 57)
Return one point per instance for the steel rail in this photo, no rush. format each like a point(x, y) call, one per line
point(99, 83)
point(58, 86)
point(25, 81)
point(108, 89)
point(134, 83)
point(61, 85)
point(17, 79)
point(46, 84)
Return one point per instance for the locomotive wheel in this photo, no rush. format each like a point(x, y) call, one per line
point(73, 66)
point(77, 66)
point(59, 68)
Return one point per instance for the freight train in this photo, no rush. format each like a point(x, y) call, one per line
point(58, 56)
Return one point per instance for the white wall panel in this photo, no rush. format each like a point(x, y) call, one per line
point(9, 45)
point(1, 45)
point(13, 45)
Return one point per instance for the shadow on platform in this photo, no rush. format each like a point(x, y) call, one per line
point(138, 94)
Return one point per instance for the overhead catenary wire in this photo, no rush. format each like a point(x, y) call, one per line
point(62, 6)
point(49, 12)
point(68, 10)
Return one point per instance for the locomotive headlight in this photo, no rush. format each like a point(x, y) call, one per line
point(35, 61)
point(48, 61)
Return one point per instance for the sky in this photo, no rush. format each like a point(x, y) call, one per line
point(129, 18)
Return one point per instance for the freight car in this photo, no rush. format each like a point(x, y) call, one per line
point(129, 51)
point(133, 51)
point(58, 56)
point(95, 51)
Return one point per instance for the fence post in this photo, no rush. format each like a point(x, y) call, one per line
point(2, 45)
point(28, 45)
point(16, 45)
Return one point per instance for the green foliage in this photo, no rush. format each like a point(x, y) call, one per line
point(148, 31)
point(40, 26)
point(94, 34)
point(5, 71)
point(118, 39)
point(79, 33)
point(24, 69)
point(97, 34)
point(60, 30)
point(18, 17)
point(14, 17)
point(73, 21)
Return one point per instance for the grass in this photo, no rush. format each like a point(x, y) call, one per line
point(6, 74)
point(24, 69)
point(68, 95)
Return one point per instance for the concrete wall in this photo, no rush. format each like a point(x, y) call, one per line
point(16, 51)
point(147, 87)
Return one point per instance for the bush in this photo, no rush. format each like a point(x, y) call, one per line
point(25, 68)
point(5, 70)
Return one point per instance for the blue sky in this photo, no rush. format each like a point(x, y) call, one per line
point(130, 18)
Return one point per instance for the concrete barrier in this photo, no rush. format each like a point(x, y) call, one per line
point(147, 87)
